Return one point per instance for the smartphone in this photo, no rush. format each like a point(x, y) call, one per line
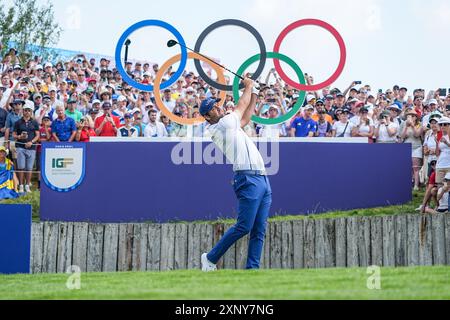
point(380, 90)
point(442, 92)
point(358, 82)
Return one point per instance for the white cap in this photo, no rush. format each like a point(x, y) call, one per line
point(309, 107)
point(148, 74)
point(121, 99)
point(48, 64)
point(310, 97)
point(17, 66)
point(444, 120)
point(52, 89)
point(39, 67)
point(432, 101)
point(190, 89)
point(135, 110)
point(96, 101)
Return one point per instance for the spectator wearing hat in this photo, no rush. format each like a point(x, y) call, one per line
point(304, 126)
point(443, 151)
point(11, 120)
point(26, 134)
point(443, 195)
point(138, 123)
point(339, 102)
point(433, 109)
point(386, 131)
point(128, 130)
point(401, 98)
point(154, 128)
point(328, 104)
point(431, 138)
point(55, 102)
point(63, 128)
point(411, 132)
point(72, 112)
point(84, 130)
point(364, 126)
point(320, 106)
point(8, 178)
point(107, 124)
point(324, 126)
point(44, 110)
point(395, 112)
point(273, 131)
point(343, 127)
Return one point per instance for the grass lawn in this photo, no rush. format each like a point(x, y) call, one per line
point(33, 199)
point(396, 283)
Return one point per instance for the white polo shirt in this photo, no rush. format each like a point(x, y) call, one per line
point(238, 148)
point(155, 130)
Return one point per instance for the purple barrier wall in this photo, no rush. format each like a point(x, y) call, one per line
point(136, 182)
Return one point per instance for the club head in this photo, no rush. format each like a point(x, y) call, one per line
point(171, 43)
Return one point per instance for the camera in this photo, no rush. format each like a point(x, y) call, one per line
point(358, 82)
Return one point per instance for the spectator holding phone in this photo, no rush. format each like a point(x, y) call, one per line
point(430, 141)
point(364, 127)
point(342, 128)
point(84, 131)
point(386, 131)
point(443, 152)
point(411, 132)
point(107, 124)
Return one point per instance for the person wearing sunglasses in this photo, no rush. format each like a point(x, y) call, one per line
point(443, 152)
point(26, 134)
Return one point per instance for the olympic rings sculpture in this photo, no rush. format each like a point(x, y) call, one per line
point(261, 58)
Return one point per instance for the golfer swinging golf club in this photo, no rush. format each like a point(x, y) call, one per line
point(250, 184)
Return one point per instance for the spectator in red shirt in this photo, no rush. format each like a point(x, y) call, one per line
point(107, 124)
point(431, 192)
point(84, 131)
point(45, 134)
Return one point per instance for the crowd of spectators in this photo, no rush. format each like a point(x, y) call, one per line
point(81, 98)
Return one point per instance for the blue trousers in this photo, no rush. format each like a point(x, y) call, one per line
point(255, 197)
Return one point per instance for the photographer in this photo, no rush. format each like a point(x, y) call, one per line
point(386, 131)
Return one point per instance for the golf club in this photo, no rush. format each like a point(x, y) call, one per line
point(172, 43)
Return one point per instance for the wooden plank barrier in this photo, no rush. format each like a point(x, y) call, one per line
point(403, 240)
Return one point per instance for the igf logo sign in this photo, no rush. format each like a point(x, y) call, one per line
point(61, 163)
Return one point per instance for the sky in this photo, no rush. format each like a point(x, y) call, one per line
point(404, 42)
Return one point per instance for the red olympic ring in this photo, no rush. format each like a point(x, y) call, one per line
point(336, 35)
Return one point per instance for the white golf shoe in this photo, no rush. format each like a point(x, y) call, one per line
point(207, 266)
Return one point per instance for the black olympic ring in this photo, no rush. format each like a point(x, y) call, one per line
point(222, 23)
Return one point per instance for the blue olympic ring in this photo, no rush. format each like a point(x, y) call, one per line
point(142, 24)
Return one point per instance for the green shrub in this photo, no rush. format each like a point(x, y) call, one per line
point(30, 198)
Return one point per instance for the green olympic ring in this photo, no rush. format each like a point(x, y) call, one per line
point(293, 65)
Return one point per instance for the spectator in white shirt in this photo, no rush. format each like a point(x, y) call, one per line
point(155, 129)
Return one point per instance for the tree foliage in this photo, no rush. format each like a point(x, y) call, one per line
point(27, 23)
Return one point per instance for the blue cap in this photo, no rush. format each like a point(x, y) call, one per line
point(114, 97)
point(207, 105)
